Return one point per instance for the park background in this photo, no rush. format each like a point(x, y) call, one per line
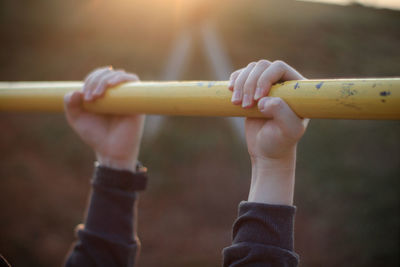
point(347, 187)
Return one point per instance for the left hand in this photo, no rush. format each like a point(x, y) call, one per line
point(115, 139)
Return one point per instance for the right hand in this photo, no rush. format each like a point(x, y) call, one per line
point(115, 139)
point(277, 135)
point(271, 141)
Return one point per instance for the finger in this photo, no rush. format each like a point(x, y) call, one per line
point(249, 88)
point(101, 85)
point(92, 80)
point(292, 126)
point(233, 78)
point(277, 71)
point(237, 95)
point(113, 80)
point(123, 77)
point(73, 105)
point(89, 78)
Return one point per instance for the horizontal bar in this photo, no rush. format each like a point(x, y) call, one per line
point(339, 99)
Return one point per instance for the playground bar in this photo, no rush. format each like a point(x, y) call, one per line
point(336, 99)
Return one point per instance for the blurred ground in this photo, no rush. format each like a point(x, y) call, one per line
point(347, 190)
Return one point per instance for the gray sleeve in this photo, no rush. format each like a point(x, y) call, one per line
point(108, 237)
point(262, 236)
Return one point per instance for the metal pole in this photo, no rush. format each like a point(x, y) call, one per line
point(340, 99)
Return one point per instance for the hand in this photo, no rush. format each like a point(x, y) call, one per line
point(272, 141)
point(114, 139)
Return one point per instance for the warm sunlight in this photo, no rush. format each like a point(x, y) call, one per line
point(179, 11)
point(391, 4)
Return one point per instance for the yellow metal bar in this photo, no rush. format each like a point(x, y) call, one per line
point(340, 99)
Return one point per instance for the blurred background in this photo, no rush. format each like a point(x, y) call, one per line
point(347, 191)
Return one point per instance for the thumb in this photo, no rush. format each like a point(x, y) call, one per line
point(275, 108)
point(73, 105)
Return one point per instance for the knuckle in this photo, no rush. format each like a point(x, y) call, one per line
point(105, 71)
point(118, 72)
point(263, 62)
point(91, 75)
point(233, 74)
point(98, 72)
point(279, 64)
point(88, 77)
point(276, 103)
point(252, 64)
point(102, 69)
point(118, 75)
point(263, 82)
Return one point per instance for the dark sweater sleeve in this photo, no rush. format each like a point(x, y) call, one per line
point(108, 236)
point(262, 236)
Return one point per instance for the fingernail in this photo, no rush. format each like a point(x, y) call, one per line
point(235, 96)
point(247, 101)
point(261, 103)
point(258, 93)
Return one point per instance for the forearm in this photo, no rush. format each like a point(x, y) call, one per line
point(272, 180)
point(108, 237)
point(263, 231)
point(262, 236)
point(112, 207)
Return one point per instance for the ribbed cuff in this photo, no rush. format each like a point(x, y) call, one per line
point(265, 224)
point(112, 205)
point(120, 179)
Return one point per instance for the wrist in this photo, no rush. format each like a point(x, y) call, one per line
point(273, 179)
point(286, 161)
point(117, 164)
